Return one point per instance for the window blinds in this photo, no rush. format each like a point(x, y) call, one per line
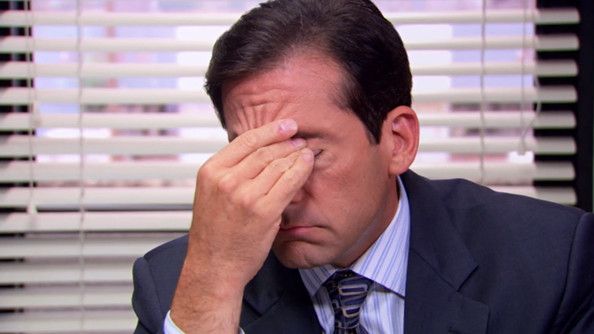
point(100, 167)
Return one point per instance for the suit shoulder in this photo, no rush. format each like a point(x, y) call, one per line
point(171, 250)
point(463, 194)
point(478, 210)
point(161, 267)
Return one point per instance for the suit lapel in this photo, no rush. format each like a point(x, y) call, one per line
point(276, 301)
point(438, 265)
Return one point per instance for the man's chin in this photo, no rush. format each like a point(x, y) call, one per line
point(298, 255)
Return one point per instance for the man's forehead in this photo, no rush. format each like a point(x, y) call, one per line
point(252, 111)
point(308, 64)
point(295, 89)
point(258, 96)
point(306, 130)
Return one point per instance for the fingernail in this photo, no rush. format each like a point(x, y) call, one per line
point(298, 142)
point(307, 155)
point(287, 125)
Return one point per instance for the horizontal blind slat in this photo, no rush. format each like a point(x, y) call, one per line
point(564, 42)
point(497, 119)
point(24, 146)
point(122, 246)
point(494, 172)
point(70, 272)
point(537, 16)
point(151, 96)
point(542, 68)
point(199, 119)
point(12, 96)
point(127, 221)
point(53, 296)
point(122, 70)
point(115, 198)
point(562, 195)
point(112, 197)
point(68, 321)
point(18, 145)
point(22, 18)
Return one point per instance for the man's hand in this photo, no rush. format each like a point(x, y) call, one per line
point(241, 193)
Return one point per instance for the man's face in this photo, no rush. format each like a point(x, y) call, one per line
point(350, 196)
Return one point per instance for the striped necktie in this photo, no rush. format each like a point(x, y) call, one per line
point(347, 291)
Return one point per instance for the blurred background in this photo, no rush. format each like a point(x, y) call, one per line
point(104, 122)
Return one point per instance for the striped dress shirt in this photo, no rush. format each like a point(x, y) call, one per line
point(385, 263)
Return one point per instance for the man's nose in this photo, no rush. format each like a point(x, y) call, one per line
point(299, 196)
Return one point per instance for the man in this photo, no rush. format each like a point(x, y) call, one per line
point(315, 97)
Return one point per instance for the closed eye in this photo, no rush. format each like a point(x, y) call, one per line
point(317, 153)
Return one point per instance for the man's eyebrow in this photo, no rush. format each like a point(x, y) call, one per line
point(307, 134)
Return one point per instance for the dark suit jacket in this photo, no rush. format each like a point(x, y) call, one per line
point(479, 262)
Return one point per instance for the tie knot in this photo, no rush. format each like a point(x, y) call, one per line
point(347, 291)
point(348, 283)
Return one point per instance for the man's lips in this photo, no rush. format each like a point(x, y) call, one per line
point(296, 231)
point(296, 227)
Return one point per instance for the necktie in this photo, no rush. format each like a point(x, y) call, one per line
point(347, 292)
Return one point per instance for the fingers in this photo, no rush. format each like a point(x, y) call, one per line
point(289, 182)
point(254, 139)
point(255, 163)
point(260, 171)
point(260, 186)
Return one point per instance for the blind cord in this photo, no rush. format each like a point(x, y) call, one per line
point(527, 128)
point(81, 169)
point(522, 148)
point(482, 90)
point(31, 98)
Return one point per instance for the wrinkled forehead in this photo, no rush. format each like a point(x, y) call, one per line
point(298, 87)
point(251, 104)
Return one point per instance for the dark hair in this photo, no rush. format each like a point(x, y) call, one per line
point(353, 32)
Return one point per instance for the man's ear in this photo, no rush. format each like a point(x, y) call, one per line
point(400, 138)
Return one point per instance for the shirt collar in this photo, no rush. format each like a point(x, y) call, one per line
point(385, 262)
